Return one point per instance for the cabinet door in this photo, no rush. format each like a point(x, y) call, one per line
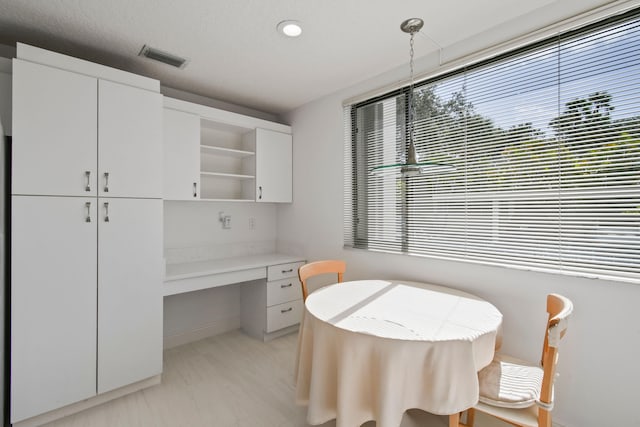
point(129, 291)
point(273, 166)
point(181, 135)
point(53, 303)
point(54, 131)
point(129, 141)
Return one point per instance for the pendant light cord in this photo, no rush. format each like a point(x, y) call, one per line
point(411, 158)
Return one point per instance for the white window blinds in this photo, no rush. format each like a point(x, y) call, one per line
point(546, 148)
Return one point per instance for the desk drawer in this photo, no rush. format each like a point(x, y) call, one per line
point(283, 315)
point(283, 290)
point(283, 271)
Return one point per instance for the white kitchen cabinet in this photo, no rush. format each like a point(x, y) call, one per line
point(129, 301)
point(181, 136)
point(273, 166)
point(241, 158)
point(129, 141)
point(74, 133)
point(273, 309)
point(54, 131)
point(86, 292)
point(53, 303)
point(60, 314)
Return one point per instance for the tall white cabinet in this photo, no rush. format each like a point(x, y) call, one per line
point(53, 305)
point(86, 261)
point(129, 273)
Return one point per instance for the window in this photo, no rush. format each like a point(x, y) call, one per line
point(545, 143)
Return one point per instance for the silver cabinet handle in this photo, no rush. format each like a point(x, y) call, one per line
point(287, 271)
point(286, 286)
point(195, 189)
point(106, 211)
point(260, 193)
point(87, 186)
point(106, 182)
point(87, 206)
point(286, 310)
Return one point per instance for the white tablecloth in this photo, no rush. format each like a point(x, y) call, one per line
point(371, 349)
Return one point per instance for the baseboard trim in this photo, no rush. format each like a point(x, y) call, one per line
point(215, 328)
point(282, 332)
point(74, 408)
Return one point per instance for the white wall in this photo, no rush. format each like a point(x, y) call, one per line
point(197, 224)
point(600, 356)
point(192, 231)
point(204, 100)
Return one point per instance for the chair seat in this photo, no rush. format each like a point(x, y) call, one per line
point(510, 383)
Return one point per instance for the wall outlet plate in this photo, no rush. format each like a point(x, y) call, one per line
point(225, 220)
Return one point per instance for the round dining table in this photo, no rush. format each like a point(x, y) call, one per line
point(372, 349)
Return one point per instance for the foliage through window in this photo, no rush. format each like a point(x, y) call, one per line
point(545, 143)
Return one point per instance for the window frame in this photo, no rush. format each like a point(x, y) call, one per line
point(359, 193)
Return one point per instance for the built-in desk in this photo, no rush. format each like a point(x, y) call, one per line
point(271, 293)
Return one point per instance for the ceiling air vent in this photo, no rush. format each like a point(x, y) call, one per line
point(164, 57)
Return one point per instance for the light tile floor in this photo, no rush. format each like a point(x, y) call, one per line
point(230, 380)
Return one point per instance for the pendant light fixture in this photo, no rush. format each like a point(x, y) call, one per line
point(412, 165)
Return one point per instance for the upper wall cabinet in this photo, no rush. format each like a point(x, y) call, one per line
point(76, 135)
point(239, 158)
point(129, 135)
point(273, 166)
point(54, 128)
point(182, 155)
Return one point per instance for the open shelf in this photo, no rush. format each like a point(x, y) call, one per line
point(222, 151)
point(227, 200)
point(227, 163)
point(227, 175)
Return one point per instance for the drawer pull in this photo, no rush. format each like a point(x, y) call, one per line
point(286, 286)
point(287, 271)
point(106, 182)
point(287, 310)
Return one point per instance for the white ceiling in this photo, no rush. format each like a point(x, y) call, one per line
point(237, 56)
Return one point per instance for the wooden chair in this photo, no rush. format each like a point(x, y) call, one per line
point(319, 267)
point(519, 392)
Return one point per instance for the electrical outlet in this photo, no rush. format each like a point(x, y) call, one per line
point(225, 220)
point(252, 223)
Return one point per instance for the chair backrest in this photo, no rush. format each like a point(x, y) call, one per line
point(319, 267)
point(559, 309)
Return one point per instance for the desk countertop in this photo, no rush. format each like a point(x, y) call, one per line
point(225, 265)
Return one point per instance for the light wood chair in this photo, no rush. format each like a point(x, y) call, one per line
point(317, 268)
point(520, 392)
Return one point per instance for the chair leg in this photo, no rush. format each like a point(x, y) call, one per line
point(454, 420)
point(471, 415)
point(468, 421)
point(544, 418)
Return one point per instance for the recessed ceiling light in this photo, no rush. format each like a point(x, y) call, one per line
point(290, 28)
